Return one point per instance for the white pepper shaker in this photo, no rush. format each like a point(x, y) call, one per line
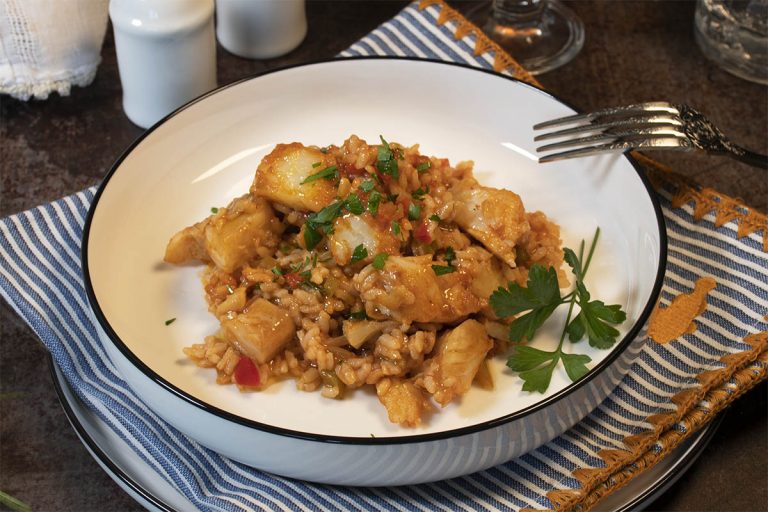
point(166, 54)
point(260, 29)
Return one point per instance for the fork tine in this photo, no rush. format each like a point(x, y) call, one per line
point(639, 108)
point(623, 145)
point(638, 122)
point(644, 133)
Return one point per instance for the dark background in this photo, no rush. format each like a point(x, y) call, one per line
point(634, 51)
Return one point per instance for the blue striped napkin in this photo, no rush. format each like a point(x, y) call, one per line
point(41, 278)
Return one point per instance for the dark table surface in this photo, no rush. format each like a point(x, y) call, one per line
point(634, 51)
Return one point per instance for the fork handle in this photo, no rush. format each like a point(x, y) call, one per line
point(749, 157)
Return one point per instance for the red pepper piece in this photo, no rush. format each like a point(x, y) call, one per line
point(247, 373)
point(293, 280)
point(421, 234)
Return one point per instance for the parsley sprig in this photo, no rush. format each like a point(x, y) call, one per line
point(539, 300)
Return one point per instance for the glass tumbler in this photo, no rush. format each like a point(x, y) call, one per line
point(734, 34)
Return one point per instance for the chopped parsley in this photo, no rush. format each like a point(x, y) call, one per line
point(214, 209)
point(379, 259)
point(419, 193)
point(298, 266)
point(443, 269)
point(360, 253)
point(320, 224)
point(317, 164)
point(373, 202)
point(448, 268)
point(329, 173)
point(423, 166)
point(435, 217)
point(385, 160)
point(367, 185)
point(358, 315)
point(450, 255)
point(396, 228)
point(312, 236)
point(414, 211)
point(354, 205)
point(170, 321)
point(299, 274)
point(329, 213)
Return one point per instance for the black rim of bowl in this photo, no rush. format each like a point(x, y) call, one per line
point(700, 441)
point(416, 438)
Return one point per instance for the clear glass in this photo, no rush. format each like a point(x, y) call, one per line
point(540, 34)
point(734, 34)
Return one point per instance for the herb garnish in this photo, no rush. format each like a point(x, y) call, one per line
point(300, 273)
point(423, 166)
point(540, 299)
point(414, 211)
point(396, 228)
point(435, 217)
point(354, 205)
point(449, 256)
point(419, 193)
point(358, 315)
point(367, 185)
point(214, 210)
point(443, 269)
point(360, 253)
point(170, 321)
point(385, 160)
point(373, 202)
point(321, 223)
point(379, 259)
point(317, 164)
point(312, 236)
point(329, 173)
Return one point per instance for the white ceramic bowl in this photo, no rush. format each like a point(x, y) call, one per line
point(206, 153)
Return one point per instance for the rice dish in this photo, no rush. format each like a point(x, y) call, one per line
point(362, 265)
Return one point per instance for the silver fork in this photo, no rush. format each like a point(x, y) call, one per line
point(655, 125)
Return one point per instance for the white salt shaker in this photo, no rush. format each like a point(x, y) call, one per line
point(260, 29)
point(166, 54)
